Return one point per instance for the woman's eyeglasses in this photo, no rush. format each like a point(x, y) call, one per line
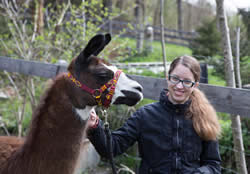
point(175, 80)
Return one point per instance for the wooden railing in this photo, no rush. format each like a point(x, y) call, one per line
point(171, 36)
point(224, 99)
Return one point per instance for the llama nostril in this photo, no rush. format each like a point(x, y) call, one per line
point(139, 88)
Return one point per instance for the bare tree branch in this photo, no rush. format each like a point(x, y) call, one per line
point(13, 84)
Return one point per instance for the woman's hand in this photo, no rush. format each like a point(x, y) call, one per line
point(93, 120)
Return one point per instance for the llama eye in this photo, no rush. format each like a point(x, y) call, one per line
point(103, 77)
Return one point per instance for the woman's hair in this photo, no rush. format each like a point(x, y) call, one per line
point(201, 112)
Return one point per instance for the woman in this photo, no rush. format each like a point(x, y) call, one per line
point(178, 134)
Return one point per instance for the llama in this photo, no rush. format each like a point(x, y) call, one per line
point(53, 143)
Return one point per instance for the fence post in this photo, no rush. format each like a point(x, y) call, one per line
point(204, 73)
point(149, 37)
point(110, 17)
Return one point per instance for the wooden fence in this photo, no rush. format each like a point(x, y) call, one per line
point(224, 99)
point(129, 29)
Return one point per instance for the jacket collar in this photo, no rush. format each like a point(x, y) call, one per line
point(179, 108)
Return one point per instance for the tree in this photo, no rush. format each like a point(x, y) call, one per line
point(230, 79)
point(207, 42)
point(245, 41)
point(246, 20)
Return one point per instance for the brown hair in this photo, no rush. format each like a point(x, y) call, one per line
point(201, 112)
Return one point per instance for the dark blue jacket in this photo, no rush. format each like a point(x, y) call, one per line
point(167, 141)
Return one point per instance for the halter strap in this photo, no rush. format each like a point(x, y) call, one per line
point(111, 92)
point(80, 85)
point(96, 93)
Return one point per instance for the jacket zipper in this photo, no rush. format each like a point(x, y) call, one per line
point(178, 124)
point(177, 141)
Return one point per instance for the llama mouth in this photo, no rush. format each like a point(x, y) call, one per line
point(129, 98)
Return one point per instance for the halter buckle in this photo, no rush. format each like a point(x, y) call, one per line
point(97, 93)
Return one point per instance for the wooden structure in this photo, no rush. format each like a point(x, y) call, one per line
point(224, 99)
point(128, 29)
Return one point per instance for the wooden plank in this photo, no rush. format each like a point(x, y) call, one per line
point(224, 99)
point(28, 67)
point(228, 100)
point(151, 86)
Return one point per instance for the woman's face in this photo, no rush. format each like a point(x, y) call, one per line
point(179, 92)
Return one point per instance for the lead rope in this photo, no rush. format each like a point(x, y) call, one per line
point(109, 141)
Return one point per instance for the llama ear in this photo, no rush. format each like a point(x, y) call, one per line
point(94, 47)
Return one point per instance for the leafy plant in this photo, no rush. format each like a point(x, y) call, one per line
point(226, 143)
point(207, 43)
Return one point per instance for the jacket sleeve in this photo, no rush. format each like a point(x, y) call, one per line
point(121, 139)
point(210, 158)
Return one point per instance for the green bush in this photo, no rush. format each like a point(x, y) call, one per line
point(207, 43)
point(226, 142)
point(245, 70)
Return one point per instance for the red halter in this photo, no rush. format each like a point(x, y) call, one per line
point(96, 93)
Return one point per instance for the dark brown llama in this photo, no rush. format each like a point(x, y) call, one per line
point(53, 143)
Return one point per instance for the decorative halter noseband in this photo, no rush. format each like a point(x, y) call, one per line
point(96, 93)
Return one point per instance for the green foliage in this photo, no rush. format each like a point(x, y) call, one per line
point(218, 66)
point(245, 70)
point(215, 79)
point(11, 107)
point(226, 142)
point(246, 20)
point(63, 36)
point(9, 116)
point(207, 43)
point(3, 30)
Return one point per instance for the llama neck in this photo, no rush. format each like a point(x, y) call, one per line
point(54, 140)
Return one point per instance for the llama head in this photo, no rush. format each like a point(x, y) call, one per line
point(93, 72)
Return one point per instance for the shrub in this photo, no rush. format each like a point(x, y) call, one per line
point(207, 43)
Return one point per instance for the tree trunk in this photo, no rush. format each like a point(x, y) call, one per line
point(139, 28)
point(230, 79)
point(39, 17)
point(163, 38)
point(179, 11)
point(110, 15)
point(84, 20)
point(20, 116)
point(237, 58)
point(120, 5)
point(156, 20)
point(107, 4)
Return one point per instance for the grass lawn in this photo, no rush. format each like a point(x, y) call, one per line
point(215, 80)
point(172, 51)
